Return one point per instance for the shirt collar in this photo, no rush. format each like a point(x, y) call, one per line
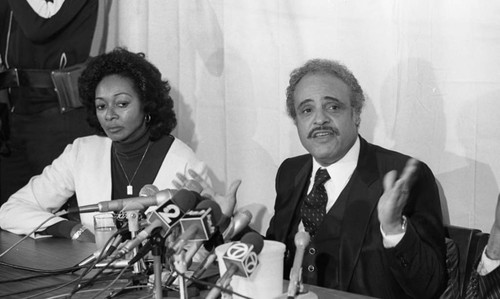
point(343, 167)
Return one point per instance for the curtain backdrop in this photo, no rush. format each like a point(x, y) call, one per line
point(430, 70)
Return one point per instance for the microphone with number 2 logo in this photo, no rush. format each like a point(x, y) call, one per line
point(165, 216)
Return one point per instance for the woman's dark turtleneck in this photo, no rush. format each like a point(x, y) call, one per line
point(129, 155)
point(129, 149)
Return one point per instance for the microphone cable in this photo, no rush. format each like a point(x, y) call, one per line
point(112, 295)
point(55, 287)
point(208, 284)
point(91, 280)
point(79, 280)
point(42, 271)
point(112, 283)
point(79, 285)
point(26, 236)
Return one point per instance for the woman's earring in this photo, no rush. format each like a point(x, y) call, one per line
point(147, 118)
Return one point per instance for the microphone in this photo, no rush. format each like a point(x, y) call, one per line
point(198, 227)
point(165, 216)
point(100, 253)
point(169, 214)
point(301, 240)
point(116, 264)
point(148, 246)
point(204, 265)
point(127, 204)
point(148, 190)
point(240, 221)
point(240, 259)
point(205, 218)
point(148, 196)
point(122, 235)
point(214, 241)
point(198, 224)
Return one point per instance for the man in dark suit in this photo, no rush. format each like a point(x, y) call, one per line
point(372, 232)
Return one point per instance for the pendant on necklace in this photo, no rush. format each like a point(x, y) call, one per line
point(130, 190)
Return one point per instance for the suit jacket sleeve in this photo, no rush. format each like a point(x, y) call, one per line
point(270, 233)
point(284, 206)
point(418, 261)
point(483, 286)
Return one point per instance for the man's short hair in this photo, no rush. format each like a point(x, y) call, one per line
point(325, 66)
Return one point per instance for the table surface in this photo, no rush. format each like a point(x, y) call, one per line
point(52, 254)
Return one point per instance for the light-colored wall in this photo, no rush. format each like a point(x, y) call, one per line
point(430, 69)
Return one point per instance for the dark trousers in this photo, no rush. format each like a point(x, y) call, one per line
point(35, 141)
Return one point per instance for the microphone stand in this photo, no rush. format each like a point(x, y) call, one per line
point(156, 250)
point(226, 284)
point(188, 258)
point(181, 267)
point(133, 226)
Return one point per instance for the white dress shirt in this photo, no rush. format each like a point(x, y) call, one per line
point(340, 173)
point(486, 265)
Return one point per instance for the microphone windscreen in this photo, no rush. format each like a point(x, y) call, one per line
point(302, 239)
point(255, 239)
point(216, 210)
point(148, 190)
point(238, 224)
point(198, 197)
point(184, 199)
point(247, 215)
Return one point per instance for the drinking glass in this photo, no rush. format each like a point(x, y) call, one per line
point(104, 228)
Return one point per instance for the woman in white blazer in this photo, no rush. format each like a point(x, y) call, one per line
point(129, 105)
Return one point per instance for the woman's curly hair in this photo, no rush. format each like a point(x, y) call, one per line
point(152, 90)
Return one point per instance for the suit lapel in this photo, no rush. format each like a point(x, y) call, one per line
point(299, 186)
point(361, 204)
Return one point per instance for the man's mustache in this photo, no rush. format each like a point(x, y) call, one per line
point(322, 128)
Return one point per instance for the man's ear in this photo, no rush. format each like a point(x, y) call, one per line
point(357, 118)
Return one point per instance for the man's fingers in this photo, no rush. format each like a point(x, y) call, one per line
point(498, 205)
point(181, 177)
point(389, 179)
point(177, 184)
point(234, 187)
point(408, 176)
point(497, 211)
point(198, 178)
point(194, 174)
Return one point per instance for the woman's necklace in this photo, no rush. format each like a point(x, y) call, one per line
point(130, 189)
